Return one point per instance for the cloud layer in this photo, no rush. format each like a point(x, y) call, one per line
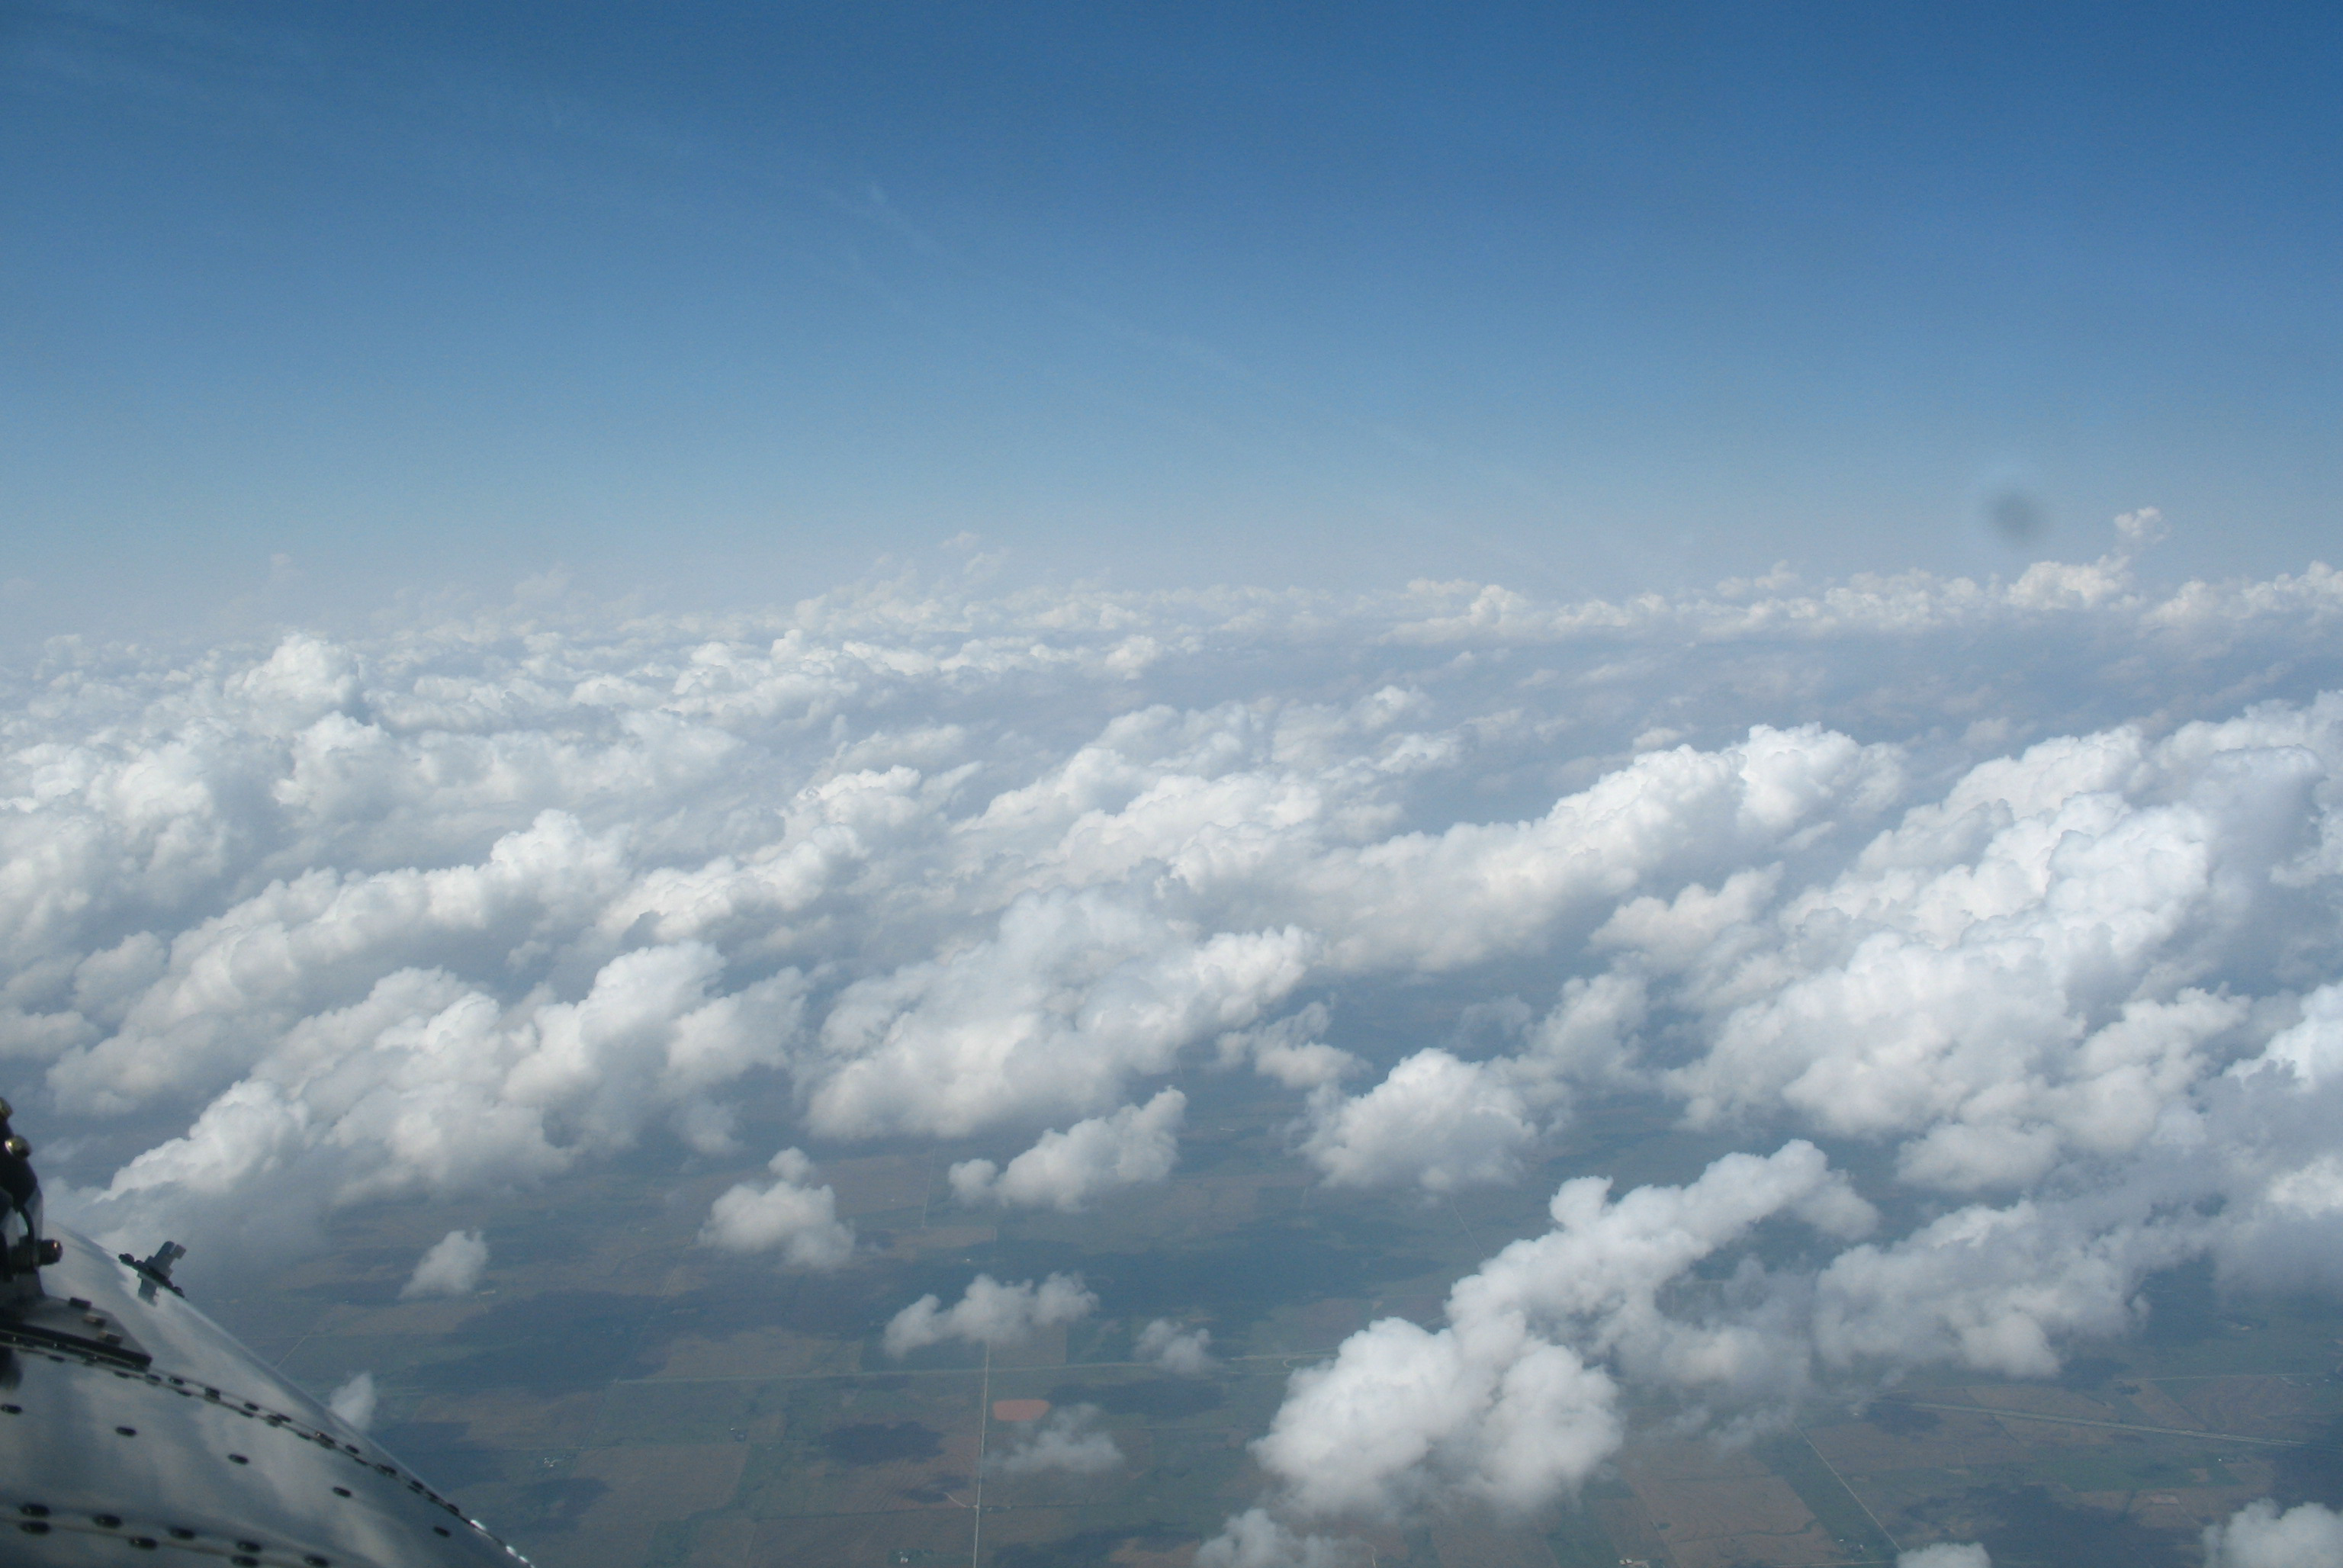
point(2030, 884)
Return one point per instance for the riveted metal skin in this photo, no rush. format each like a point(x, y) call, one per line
point(159, 1437)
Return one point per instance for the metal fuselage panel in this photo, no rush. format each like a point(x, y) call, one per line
point(201, 1453)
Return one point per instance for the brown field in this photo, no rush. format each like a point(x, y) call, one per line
point(510, 1418)
point(721, 1543)
point(2161, 1409)
point(833, 1543)
point(1043, 1348)
point(1652, 1464)
point(2033, 1399)
point(1133, 1554)
point(657, 1414)
point(1203, 1206)
point(625, 1260)
point(754, 1352)
point(884, 1184)
point(2186, 1511)
point(648, 1487)
point(1714, 1506)
point(2254, 1406)
point(1477, 1541)
point(1926, 1439)
point(432, 1317)
point(894, 1488)
point(1630, 1527)
point(1324, 1324)
point(2060, 1406)
point(1755, 1519)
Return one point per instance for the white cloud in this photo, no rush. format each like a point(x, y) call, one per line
point(989, 1313)
point(2313, 1047)
point(1065, 1170)
point(1253, 1539)
point(1185, 1352)
point(790, 1216)
point(1067, 1441)
point(354, 1402)
point(1478, 891)
point(1511, 1400)
point(1671, 934)
point(1945, 1555)
point(1443, 1123)
point(427, 1085)
point(1290, 1049)
point(1588, 1039)
point(1995, 1289)
point(1435, 1120)
point(451, 1266)
point(2032, 882)
point(2258, 1536)
point(1074, 995)
point(2013, 976)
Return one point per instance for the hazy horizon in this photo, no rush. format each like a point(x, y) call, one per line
point(319, 305)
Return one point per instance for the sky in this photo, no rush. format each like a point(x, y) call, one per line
point(314, 308)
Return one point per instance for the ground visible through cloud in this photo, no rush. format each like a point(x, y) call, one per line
point(1980, 939)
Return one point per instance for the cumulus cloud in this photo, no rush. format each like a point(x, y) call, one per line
point(1945, 1555)
point(206, 858)
point(2012, 976)
point(1291, 1049)
point(989, 1313)
point(1515, 1398)
point(2031, 884)
point(451, 1266)
point(1994, 1289)
point(790, 1216)
point(2312, 1049)
point(1067, 1441)
point(1588, 1039)
point(354, 1402)
point(1430, 903)
point(2258, 1536)
point(1074, 995)
point(1185, 1352)
point(1670, 935)
point(428, 1086)
point(1433, 1120)
point(2049, 969)
point(1254, 1538)
point(1442, 1123)
point(1065, 1170)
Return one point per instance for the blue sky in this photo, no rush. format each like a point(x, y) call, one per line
point(719, 304)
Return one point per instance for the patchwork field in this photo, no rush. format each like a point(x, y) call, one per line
point(618, 1395)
